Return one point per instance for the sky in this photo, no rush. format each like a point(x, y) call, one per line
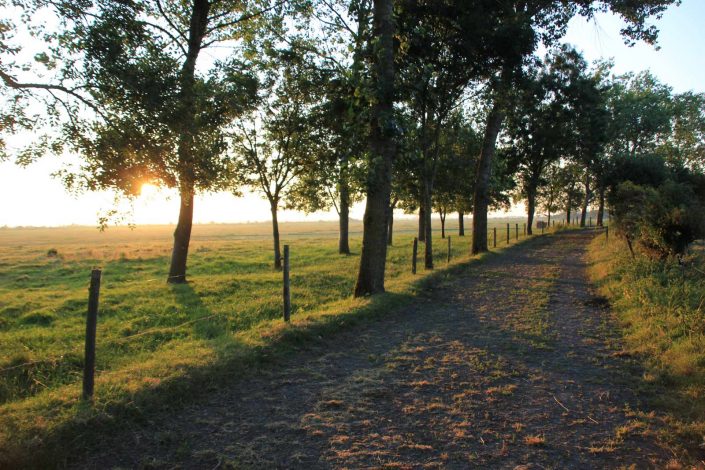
point(31, 197)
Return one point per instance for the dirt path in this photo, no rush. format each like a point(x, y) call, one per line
point(509, 365)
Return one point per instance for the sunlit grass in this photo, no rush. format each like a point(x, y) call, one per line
point(154, 336)
point(660, 306)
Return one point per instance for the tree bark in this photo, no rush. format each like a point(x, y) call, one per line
point(390, 223)
point(601, 209)
point(530, 209)
point(344, 218)
point(422, 221)
point(482, 180)
point(182, 235)
point(273, 204)
point(567, 210)
point(390, 227)
point(583, 215)
point(461, 224)
point(182, 238)
point(370, 279)
point(428, 226)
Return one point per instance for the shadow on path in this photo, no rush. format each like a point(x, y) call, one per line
point(508, 364)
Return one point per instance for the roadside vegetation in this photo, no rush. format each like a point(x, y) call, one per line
point(659, 304)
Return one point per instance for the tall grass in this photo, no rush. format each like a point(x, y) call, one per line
point(660, 305)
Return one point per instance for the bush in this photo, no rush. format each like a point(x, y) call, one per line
point(663, 221)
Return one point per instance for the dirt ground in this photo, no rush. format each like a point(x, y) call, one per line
point(514, 364)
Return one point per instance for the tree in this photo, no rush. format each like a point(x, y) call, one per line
point(340, 41)
point(685, 146)
point(548, 197)
point(370, 279)
point(136, 106)
point(434, 71)
point(457, 154)
point(560, 113)
point(273, 147)
point(524, 25)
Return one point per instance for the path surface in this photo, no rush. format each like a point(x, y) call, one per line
point(511, 365)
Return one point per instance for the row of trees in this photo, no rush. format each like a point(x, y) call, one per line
point(438, 105)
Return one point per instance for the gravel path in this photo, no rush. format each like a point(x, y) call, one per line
point(514, 364)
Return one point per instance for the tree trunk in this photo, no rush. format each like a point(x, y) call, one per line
point(442, 215)
point(390, 226)
point(549, 218)
point(274, 204)
point(370, 279)
point(482, 180)
point(601, 209)
point(344, 218)
point(530, 209)
point(461, 224)
point(428, 211)
point(182, 235)
point(422, 221)
point(583, 214)
point(567, 211)
point(182, 238)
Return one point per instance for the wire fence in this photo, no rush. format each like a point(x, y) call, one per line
point(497, 235)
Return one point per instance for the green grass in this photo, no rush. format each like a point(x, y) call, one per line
point(660, 307)
point(159, 344)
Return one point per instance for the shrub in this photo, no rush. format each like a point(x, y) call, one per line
point(661, 220)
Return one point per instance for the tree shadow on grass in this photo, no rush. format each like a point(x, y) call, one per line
point(205, 324)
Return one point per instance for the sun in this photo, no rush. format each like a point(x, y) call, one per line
point(148, 190)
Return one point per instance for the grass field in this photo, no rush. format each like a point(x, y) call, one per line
point(152, 335)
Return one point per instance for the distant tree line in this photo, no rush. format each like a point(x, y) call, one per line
point(438, 106)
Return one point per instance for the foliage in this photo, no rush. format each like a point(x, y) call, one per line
point(663, 220)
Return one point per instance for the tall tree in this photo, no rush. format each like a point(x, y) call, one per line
point(383, 128)
point(272, 147)
point(340, 39)
point(136, 104)
point(524, 26)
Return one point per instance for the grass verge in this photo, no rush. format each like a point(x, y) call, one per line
point(659, 305)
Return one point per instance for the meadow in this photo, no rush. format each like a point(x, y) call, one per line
point(151, 335)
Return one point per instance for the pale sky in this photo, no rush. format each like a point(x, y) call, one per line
point(32, 197)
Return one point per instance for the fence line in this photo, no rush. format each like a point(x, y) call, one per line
point(92, 316)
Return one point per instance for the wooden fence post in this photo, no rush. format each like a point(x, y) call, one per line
point(448, 261)
point(524, 228)
point(507, 234)
point(413, 255)
point(287, 287)
point(91, 324)
point(494, 230)
point(607, 234)
point(590, 224)
point(517, 231)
